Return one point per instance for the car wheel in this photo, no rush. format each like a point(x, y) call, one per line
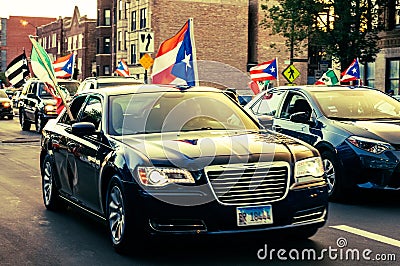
point(10, 117)
point(333, 175)
point(49, 188)
point(39, 123)
point(25, 125)
point(117, 216)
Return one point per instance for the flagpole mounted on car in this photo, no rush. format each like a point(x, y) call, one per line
point(43, 69)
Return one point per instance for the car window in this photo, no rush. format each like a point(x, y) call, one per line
point(43, 91)
point(267, 104)
point(295, 103)
point(357, 105)
point(74, 107)
point(174, 112)
point(92, 111)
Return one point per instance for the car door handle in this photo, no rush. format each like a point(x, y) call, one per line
point(277, 128)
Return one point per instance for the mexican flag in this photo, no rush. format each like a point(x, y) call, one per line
point(328, 78)
point(41, 64)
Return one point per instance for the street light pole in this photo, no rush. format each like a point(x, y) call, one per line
point(26, 23)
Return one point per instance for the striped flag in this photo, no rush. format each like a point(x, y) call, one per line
point(18, 70)
point(122, 69)
point(64, 66)
point(264, 71)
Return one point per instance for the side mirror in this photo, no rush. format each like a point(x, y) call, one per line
point(301, 117)
point(83, 129)
point(266, 121)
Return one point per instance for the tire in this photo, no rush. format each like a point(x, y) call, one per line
point(116, 210)
point(49, 189)
point(39, 124)
point(10, 117)
point(25, 124)
point(334, 175)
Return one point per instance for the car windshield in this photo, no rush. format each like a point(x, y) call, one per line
point(357, 105)
point(175, 112)
point(3, 94)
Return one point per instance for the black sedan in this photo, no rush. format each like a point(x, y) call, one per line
point(154, 160)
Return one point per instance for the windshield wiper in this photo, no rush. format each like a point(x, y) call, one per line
point(202, 128)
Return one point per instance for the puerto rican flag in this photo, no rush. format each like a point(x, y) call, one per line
point(264, 71)
point(175, 62)
point(122, 69)
point(352, 72)
point(64, 66)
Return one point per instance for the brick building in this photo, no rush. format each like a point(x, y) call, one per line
point(14, 36)
point(71, 35)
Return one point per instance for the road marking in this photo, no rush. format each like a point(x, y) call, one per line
point(373, 236)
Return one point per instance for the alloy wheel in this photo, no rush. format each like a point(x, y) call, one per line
point(330, 175)
point(116, 214)
point(47, 183)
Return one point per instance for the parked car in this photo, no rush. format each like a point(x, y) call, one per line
point(37, 105)
point(159, 160)
point(15, 98)
point(6, 109)
point(106, 81)
point(356, 131)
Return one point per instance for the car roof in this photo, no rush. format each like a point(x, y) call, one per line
point(146, 88)
point(314, 88)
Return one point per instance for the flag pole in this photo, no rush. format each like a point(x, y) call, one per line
point(277, 72)
point(195, 70)
point(34, 43)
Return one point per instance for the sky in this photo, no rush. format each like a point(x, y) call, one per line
point(47, 8)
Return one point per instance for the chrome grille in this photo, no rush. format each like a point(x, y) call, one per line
point(249, 184)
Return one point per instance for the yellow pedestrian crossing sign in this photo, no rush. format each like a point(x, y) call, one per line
point(291, 73)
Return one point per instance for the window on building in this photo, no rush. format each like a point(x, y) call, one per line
point(143, 18)
point(120, 9)
point(107, 45)
point(133, 54)
point(54, 40)
point(370, 74)
point(397, 14)
point(394, 75)
point(126, 40)
point(133, 21)
point(107, 17)
point(106, 70)
point(119, 40)
point(126, 9)
point(97, 46)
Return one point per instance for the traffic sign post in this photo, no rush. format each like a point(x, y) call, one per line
point(146, 42)
point(146, 61)
point(291, 73)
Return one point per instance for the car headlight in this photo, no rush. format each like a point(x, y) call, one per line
point(49, 108)
point(370, 145)
point(308, 170)
point(6, 104)
point(161, 176)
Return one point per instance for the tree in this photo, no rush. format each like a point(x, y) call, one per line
point(345, 29)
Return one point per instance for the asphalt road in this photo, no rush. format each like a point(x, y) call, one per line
point(30, 235)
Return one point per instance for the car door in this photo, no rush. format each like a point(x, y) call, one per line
point(84, 149)
point(31, 101)
point(296, 102)
point(64, 160)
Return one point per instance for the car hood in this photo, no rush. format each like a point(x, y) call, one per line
point(387, 131)
point(218, 147)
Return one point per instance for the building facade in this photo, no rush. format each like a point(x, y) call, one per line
point(71, 35)
point(14, 36)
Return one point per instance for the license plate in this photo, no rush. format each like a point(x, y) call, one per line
point(254, 215)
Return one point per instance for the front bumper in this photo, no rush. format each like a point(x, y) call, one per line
point(368, 170)
point(302, 207)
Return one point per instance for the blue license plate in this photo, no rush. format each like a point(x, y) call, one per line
point(256, 215)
